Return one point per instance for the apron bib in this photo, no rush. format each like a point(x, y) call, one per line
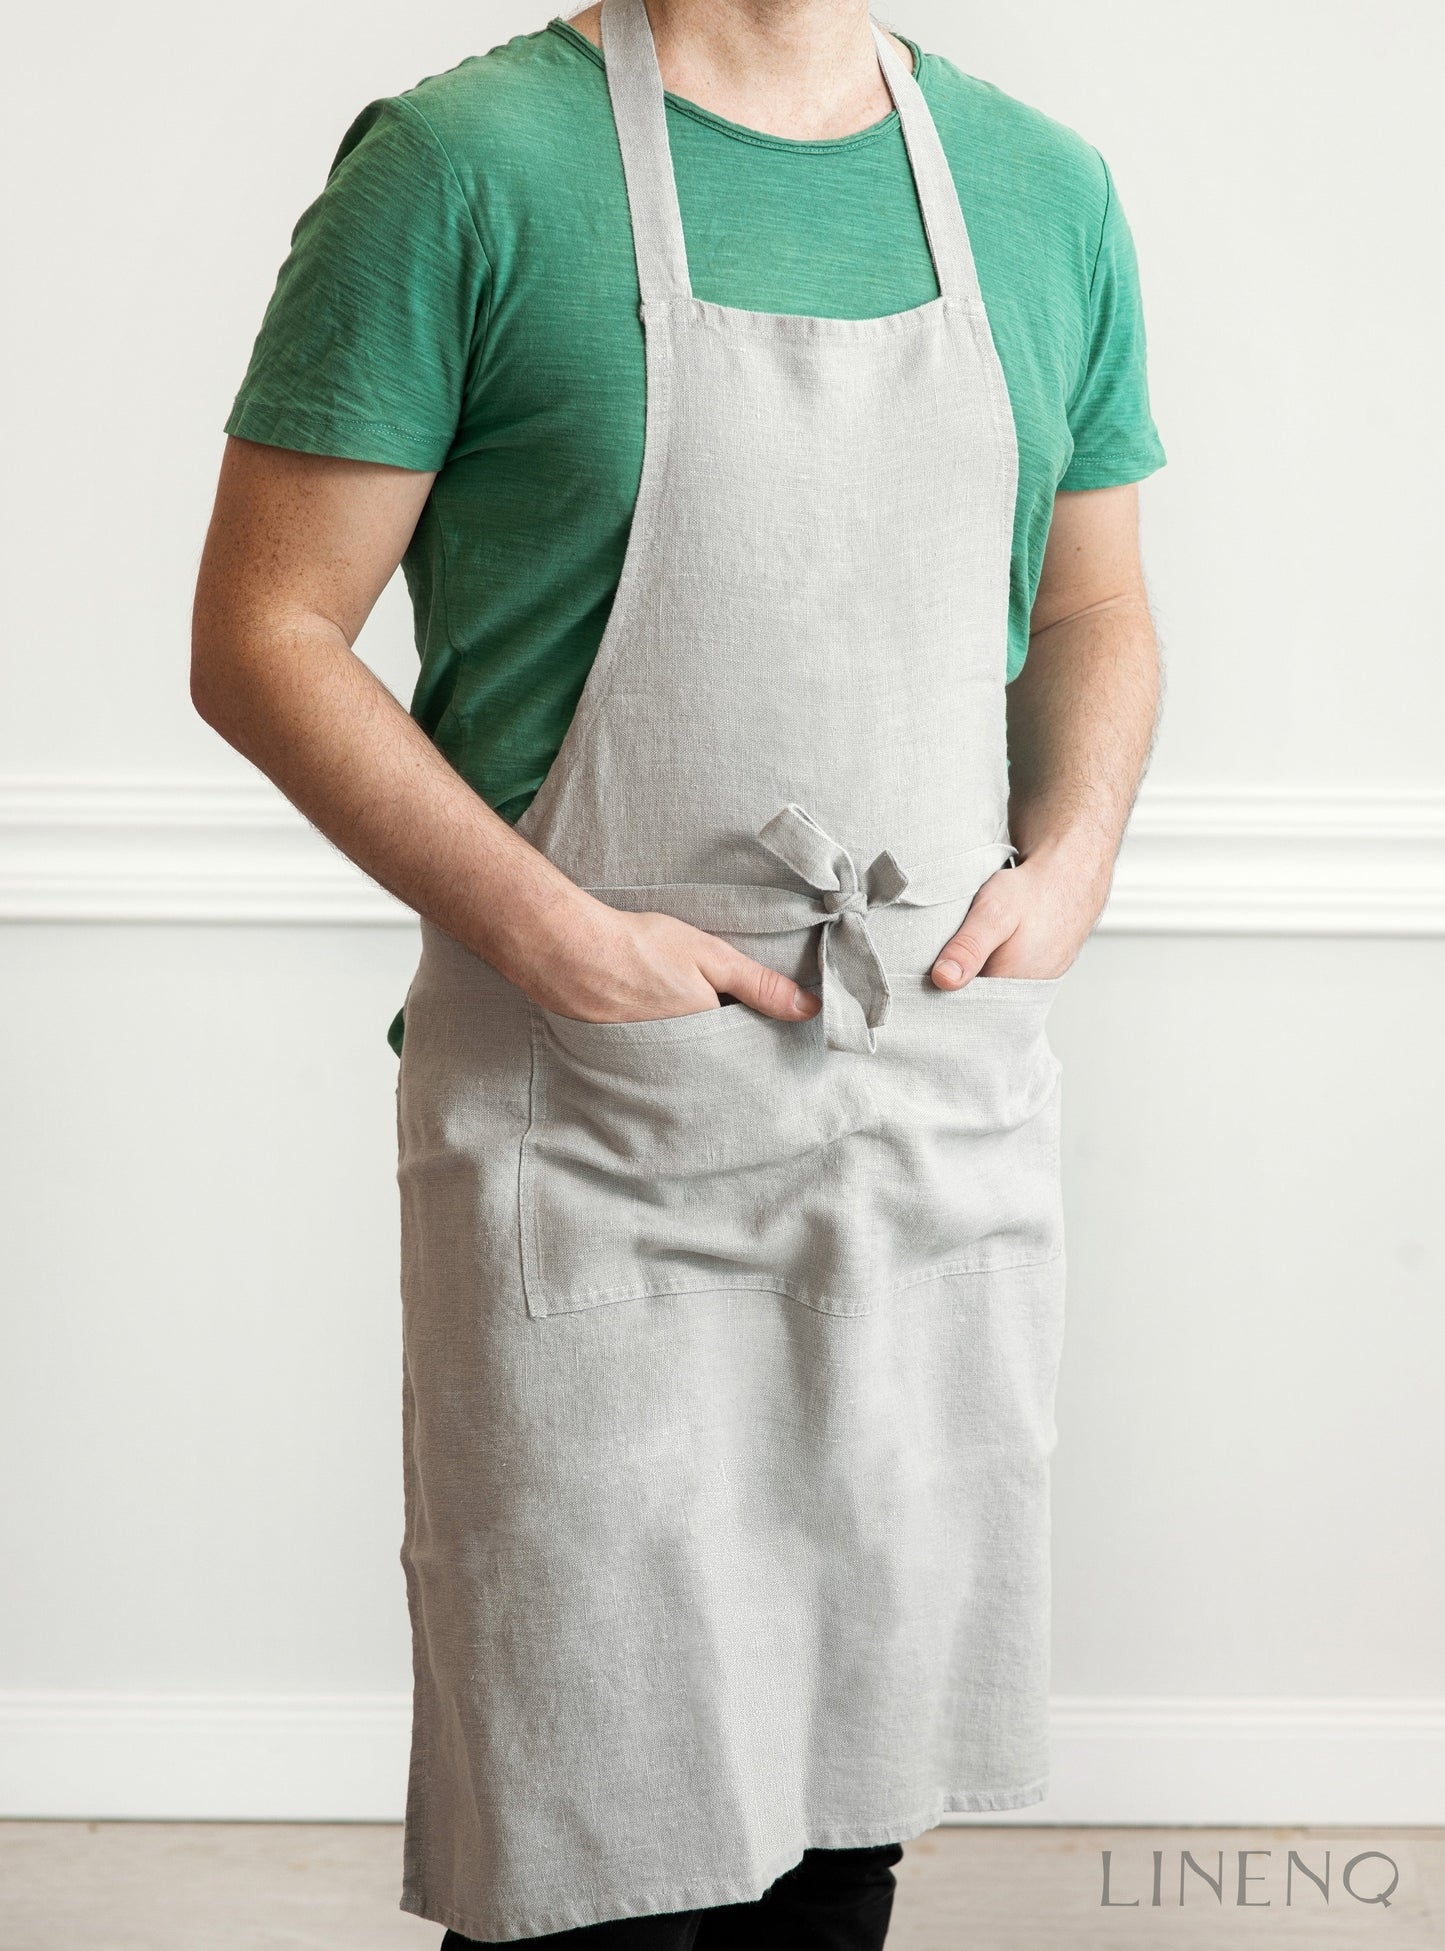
point(730, 1345)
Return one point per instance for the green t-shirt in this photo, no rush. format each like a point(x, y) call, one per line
point(462, 297)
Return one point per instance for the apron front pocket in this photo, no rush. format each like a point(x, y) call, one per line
point(726, 1150)
point(721, 1150)
point(971, 1088)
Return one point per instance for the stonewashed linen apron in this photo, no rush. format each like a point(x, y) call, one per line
point(730, 1345)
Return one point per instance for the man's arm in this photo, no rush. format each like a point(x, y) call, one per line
point(299, 549)
point(1082, 715)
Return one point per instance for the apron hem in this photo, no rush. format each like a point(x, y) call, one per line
point(717, 1894)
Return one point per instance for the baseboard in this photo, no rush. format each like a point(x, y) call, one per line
point(204, 1757)
point(1221, 860)
point(343, 1758)
point(1245, 1763)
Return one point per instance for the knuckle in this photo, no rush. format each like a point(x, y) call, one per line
point(773, 991)
point(967, 948)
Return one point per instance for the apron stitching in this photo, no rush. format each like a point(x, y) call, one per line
point(819, 1303)
point(528, 1208)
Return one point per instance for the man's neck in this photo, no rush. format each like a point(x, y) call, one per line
point(803, 69)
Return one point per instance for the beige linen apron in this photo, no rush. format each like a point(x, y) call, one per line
point(731, 1344)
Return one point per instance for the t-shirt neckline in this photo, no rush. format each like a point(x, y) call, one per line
point(737, 130)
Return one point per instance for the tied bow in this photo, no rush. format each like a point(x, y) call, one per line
point(855, 989)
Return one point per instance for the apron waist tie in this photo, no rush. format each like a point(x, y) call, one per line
point(855, 991)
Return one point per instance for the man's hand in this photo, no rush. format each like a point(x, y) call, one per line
point(1028, 920)
point(613, 967)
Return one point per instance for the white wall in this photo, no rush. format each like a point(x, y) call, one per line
point(204, 1611)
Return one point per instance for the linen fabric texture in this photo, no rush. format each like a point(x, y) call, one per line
point(731, 1344)
point(833, 1900)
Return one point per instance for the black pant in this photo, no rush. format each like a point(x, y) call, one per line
point(833, 1900)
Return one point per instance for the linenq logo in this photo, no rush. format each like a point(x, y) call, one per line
point(1369, 1878)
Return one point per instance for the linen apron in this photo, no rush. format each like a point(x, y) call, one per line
point(730, 1344)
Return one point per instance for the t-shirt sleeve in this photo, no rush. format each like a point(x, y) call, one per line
point(1115, 439)
point(366, 344)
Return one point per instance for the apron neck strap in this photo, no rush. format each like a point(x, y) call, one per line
point(938, 202)
point(634, 82)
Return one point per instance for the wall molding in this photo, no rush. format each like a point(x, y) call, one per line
point(1218, 860)
point(343, 1757)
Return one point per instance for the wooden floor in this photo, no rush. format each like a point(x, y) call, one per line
point(139, 1886)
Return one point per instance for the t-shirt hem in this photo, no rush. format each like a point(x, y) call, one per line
point(1109, 470)
point(337, 435)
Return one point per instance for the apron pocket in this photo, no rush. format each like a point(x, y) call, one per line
point(1020, 986)
point(971, 1100)
point(720, 1150)
point(728, 1151)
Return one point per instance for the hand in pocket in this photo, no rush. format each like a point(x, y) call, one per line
point(627, 968)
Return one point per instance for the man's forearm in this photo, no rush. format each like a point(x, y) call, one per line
point(1082, 716)
point(292, 696)
point(1081, 719)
